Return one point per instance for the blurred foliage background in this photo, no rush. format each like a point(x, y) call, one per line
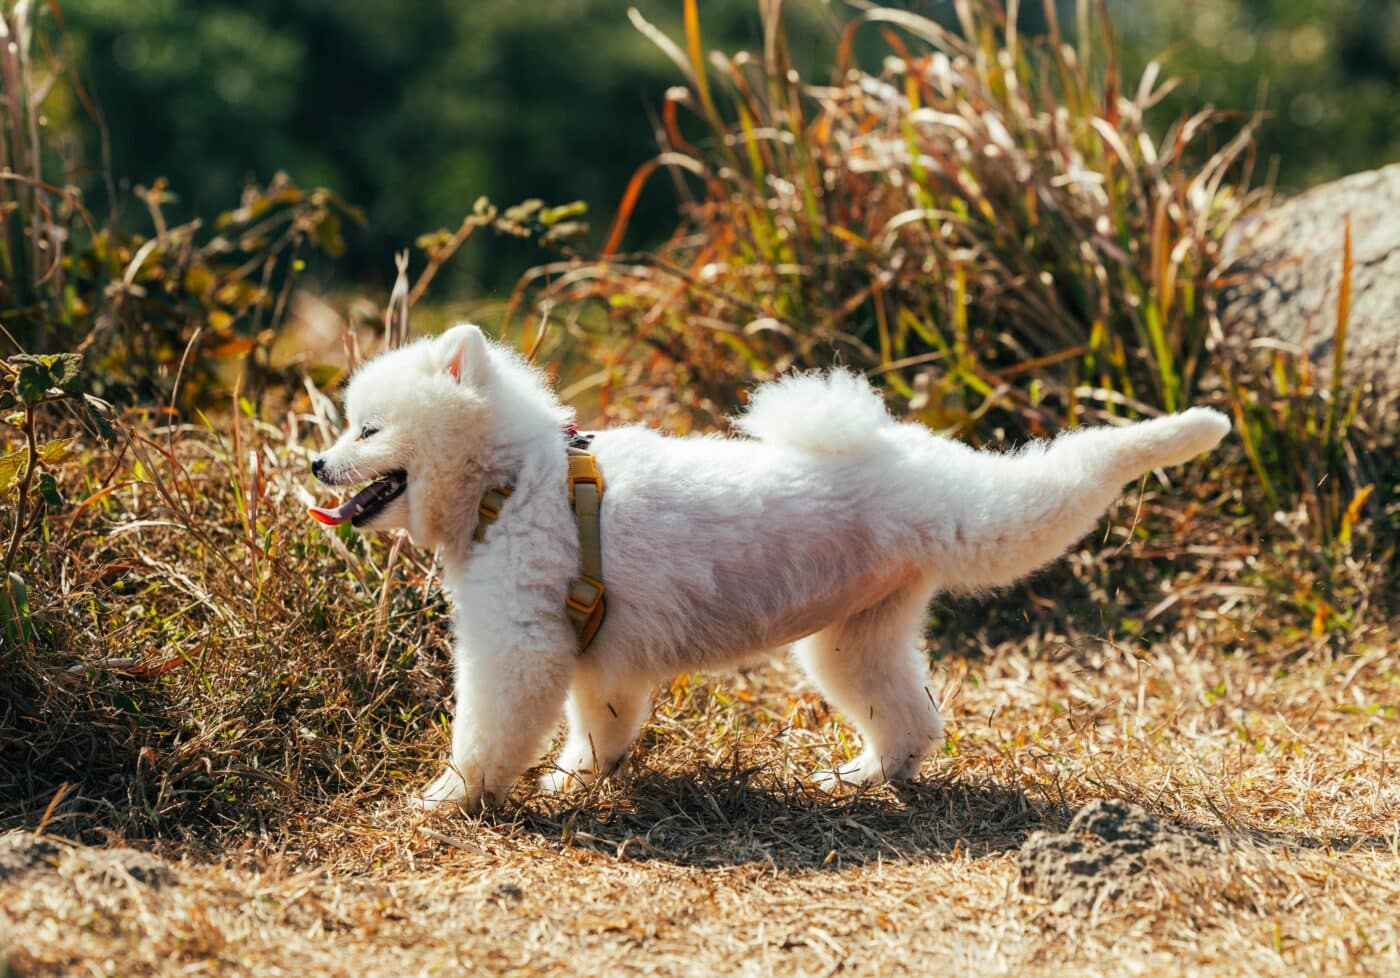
point(414, 109)
point(1326, 71)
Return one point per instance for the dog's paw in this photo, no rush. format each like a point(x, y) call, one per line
point(573, 772)
point(556, 781)
point(564, 779)
point(446, 789)
point(864, 770)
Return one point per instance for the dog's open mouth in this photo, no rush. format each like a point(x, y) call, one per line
point(366, 504)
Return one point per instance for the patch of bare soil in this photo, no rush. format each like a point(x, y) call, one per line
point(1113, 851)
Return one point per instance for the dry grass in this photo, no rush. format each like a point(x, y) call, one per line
point(710, 857)
point(202, 657)
point(218, 680)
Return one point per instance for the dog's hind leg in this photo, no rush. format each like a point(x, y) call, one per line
point(604, 714)
point(871, 669)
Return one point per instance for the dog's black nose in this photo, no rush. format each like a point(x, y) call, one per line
point(318, 465)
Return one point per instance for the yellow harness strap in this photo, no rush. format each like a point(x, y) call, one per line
point(584, 602)
point(489, 509)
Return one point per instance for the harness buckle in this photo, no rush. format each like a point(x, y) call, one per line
point(585, 595)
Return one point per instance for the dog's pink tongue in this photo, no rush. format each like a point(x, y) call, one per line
point(334, 516)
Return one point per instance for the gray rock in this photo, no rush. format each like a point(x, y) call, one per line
point(1285, 264)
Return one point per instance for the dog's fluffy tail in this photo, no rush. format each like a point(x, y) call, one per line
point(833, 413)
point(1014, 513)
point(1119, 455)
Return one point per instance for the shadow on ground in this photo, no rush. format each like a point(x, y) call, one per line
point(735, 816)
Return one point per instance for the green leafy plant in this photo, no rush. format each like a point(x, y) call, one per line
point(184, 313)
point(155, 311)
point(27, 482)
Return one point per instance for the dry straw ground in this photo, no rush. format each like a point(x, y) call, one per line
point(232, 704)
point(710, 857)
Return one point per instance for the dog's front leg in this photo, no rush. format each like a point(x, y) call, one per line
point(451, 784)
point(509, 698)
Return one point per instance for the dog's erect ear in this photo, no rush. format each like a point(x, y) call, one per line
point(461, 352)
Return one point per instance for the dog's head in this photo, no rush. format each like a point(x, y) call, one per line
point(415, 418)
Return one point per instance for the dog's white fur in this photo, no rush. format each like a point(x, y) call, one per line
point(829, 525)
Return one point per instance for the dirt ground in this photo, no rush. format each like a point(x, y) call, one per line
point(1261, 836)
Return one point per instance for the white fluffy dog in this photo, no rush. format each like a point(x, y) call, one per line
point(829, 525)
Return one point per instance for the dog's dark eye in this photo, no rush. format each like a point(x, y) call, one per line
point(367, 431)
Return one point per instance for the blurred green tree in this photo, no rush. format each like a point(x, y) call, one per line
point(1327, 72)
point(411, 109)
point(414, 109)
